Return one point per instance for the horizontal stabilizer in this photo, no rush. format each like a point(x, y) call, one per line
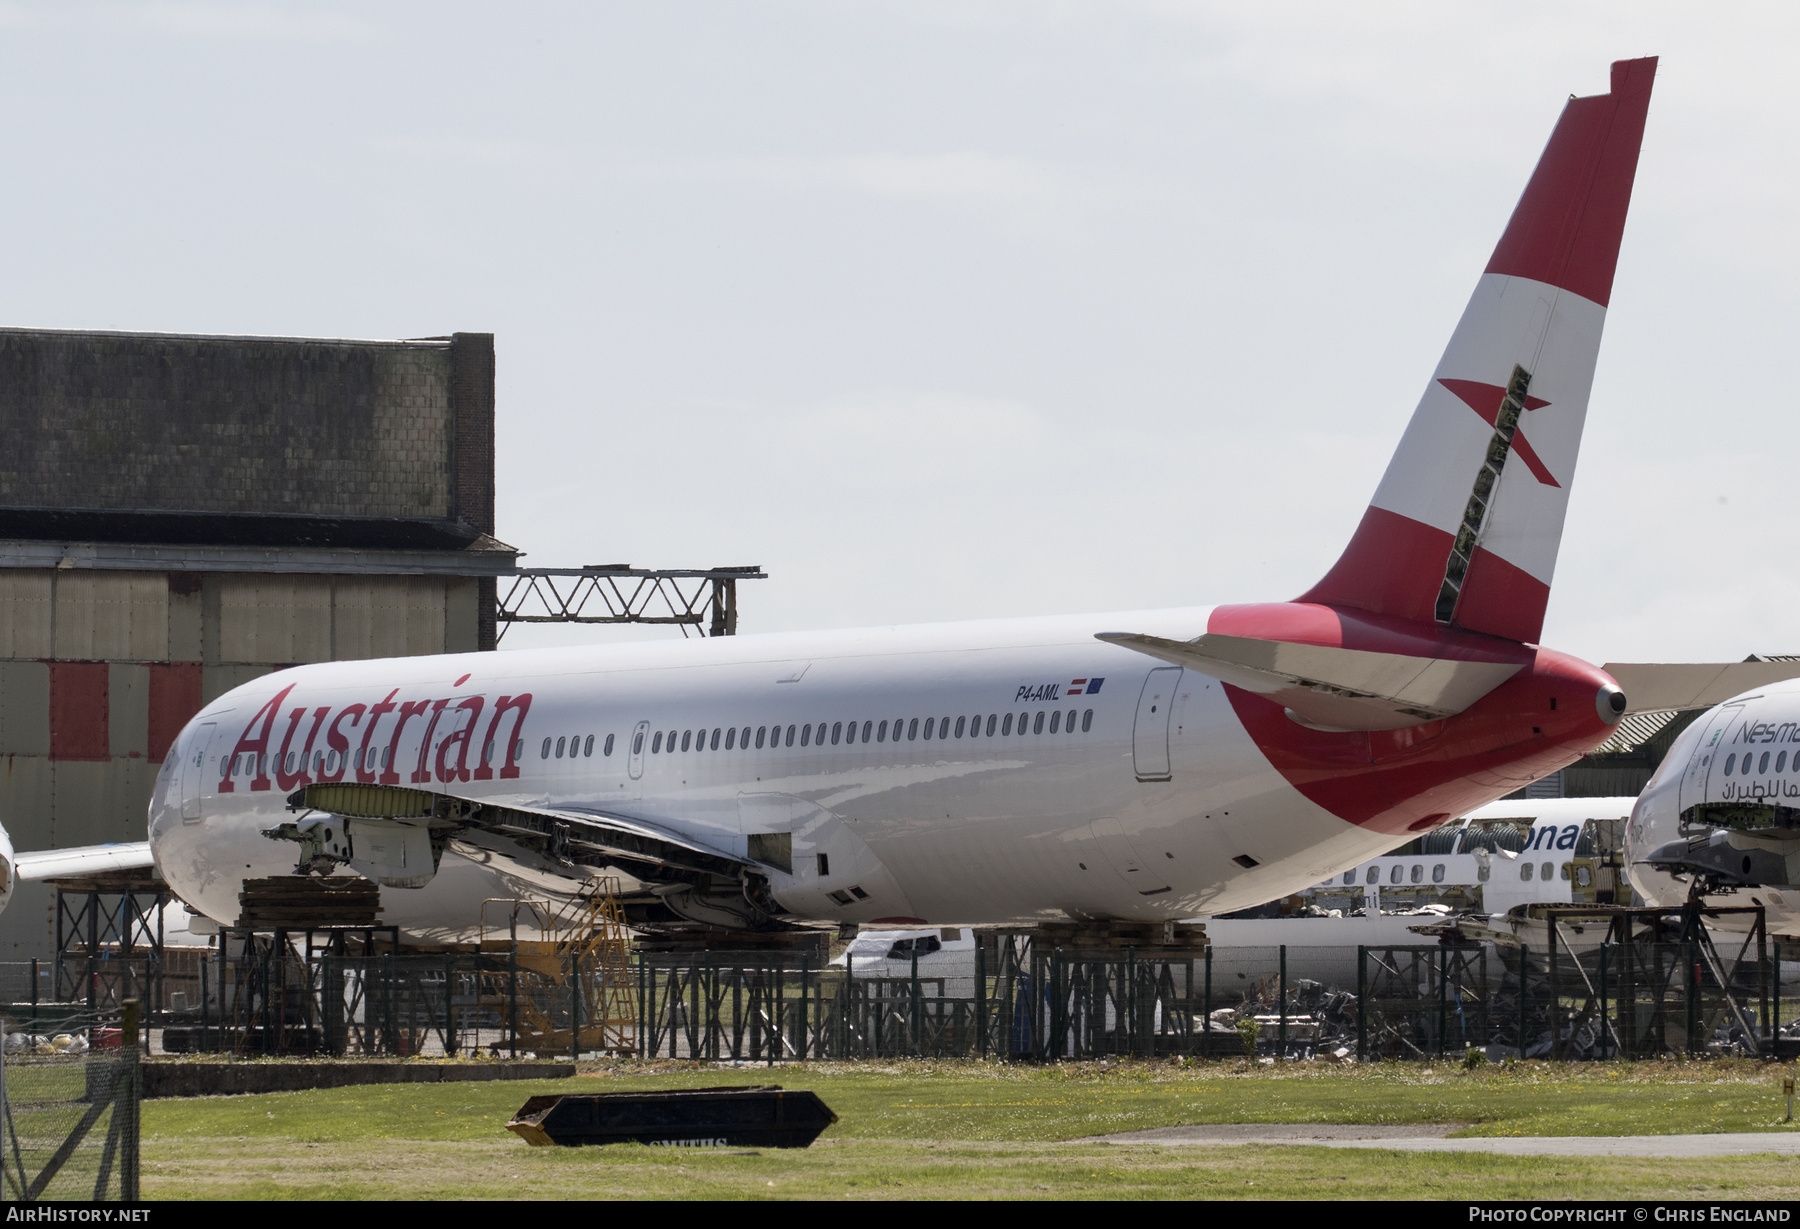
point(1332, 688)
point(83, 860)
point(1655, 687)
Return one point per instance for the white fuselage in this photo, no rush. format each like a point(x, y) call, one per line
point(1745, 752)
point(1149, 808)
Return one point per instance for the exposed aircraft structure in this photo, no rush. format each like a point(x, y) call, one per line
point(1720, 819)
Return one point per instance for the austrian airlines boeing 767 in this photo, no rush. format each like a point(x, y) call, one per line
point(1134, 765)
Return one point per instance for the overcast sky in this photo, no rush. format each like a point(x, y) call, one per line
point(949, 310)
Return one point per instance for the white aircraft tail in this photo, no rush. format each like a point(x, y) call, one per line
point(1465, 526)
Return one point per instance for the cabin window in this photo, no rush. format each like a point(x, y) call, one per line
point(607, 749)
point(1568, 870)
point(790, 736)
point(960, 721)
point(744, 739)
point(518, 752)
point(559, 747)
point(1398, 873)
point(1069, 722)
point(1055, 722)
point(881, 734)
point(929, 722)
point(637, 743)
point(1350, 876)
point(1006, 725)
point(731, 738)
point(1729, 761)
point(287, 761)
point(1546, 870)
point(1418, 872)
point(656, 744)
point(805, 734)
point(1374, 875)
point(1762, 765)
point(820, 736)
point(1780, 761)
point(1525, 872)
point(587, 748)
point(331, 761)
point(1437, 873)
point(1037, 727)
point(867, 726)
point(912, 730)
point(1087, 721)
point(992, 718)
point(759, 737)
point(836, 729)
point(545, 753)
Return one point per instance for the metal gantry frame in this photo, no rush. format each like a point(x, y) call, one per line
point(704, 599)
point(109, 939)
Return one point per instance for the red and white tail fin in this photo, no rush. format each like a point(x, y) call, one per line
point(1465, 525)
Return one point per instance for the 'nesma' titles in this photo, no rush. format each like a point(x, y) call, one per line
point(455, 757)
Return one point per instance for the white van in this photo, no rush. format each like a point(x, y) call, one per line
point(947, 953)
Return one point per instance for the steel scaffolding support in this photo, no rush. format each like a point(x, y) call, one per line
point(703, 599)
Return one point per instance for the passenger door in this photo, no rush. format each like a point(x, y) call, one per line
point(1150, 732)
point(1701, 764)
point(193, 770)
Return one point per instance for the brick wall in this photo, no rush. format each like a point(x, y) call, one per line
point(323, 428)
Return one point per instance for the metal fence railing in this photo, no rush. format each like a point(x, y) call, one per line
point(69, 1110)
point(1597, 987)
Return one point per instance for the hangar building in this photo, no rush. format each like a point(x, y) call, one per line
point(179, 514)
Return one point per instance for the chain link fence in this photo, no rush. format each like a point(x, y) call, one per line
point(69, 1109)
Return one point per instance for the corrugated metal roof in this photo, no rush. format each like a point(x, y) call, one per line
point(1634, 731)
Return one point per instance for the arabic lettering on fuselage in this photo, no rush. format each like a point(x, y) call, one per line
point(1757, 791)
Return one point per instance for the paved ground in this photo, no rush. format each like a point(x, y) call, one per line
point(1430, 1138)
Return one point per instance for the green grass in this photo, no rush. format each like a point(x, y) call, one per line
point(922, 1130)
